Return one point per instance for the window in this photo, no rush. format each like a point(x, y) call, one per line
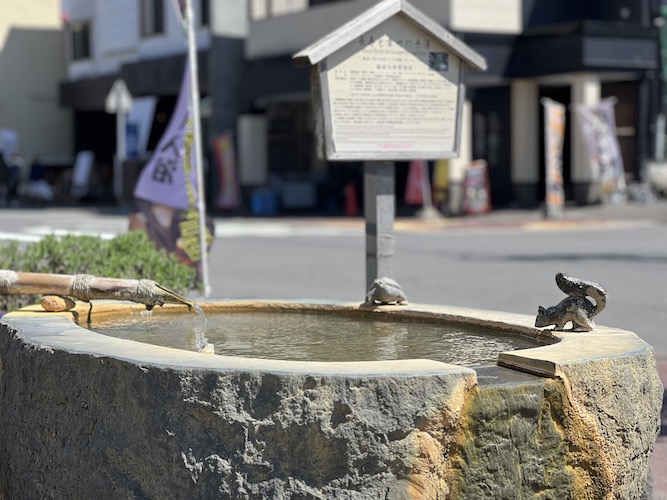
point(263, 9)
point(259, 9)
point(205, 12)
point(80, 32)
point(152, 17)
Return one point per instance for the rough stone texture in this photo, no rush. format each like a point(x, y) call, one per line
point(56, 303)
point(76, 425)
point(611, 403)
point(83, 416)
point(612, 417)
point(585, 435)
point(518, 448)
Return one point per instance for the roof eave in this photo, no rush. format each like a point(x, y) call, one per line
point(377, 14)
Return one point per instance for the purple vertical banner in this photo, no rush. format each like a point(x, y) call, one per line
point(598, 126)
point(165, 204)
point(554, 133)
point(163, 178)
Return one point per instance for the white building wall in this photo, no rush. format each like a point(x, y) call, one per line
point(290, 33)
point(525, 131)
point(492, 16)
point(293, 32)
point(229, 18)
point(79, 9)
point(458, 166)
point(252, 150)
point(32, 64)
point(116, 37)
point(586, 89)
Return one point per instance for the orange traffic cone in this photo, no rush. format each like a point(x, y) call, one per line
point(351, 205)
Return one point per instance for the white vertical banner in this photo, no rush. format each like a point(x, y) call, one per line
point(229, 189)
point(9, 143)
point(598, 126)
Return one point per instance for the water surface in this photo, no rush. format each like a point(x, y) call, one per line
point(316, 336)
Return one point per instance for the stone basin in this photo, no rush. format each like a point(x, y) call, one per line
point(84, 415)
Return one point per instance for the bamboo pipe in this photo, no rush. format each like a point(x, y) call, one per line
point(86, 287)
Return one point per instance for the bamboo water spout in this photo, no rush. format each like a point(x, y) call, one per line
point(86, 288)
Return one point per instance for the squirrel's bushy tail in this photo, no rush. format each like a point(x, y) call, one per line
point(582, 288)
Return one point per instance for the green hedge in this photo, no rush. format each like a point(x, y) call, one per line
point(130, 255)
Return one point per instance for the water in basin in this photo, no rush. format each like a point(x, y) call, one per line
point(317, 337)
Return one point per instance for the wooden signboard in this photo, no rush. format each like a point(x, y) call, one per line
point(389, 86)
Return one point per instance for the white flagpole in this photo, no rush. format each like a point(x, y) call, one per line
point(196, 123)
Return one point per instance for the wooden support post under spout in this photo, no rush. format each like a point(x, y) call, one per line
point(379, 211)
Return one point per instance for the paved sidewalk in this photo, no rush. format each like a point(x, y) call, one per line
point(575, 217)
point(108, 221)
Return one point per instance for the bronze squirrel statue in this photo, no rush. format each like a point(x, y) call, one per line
point(575, 308)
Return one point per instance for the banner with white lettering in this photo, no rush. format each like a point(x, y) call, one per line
point(598, 126)
point(165, 196)
point(554, 133)
point(163, 179)
point(476, 188)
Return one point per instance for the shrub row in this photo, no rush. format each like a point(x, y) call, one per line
point(130, 255)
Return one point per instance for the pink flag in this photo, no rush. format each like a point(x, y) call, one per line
point(554, 133)
point(414, 186)
point(229, 195)
point(163, 179)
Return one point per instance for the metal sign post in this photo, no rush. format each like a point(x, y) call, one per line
point(387, 86)
point(379, 211)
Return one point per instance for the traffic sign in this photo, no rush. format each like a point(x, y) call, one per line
point(119, 99)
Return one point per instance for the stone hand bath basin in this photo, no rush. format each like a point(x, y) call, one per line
point(84, 415)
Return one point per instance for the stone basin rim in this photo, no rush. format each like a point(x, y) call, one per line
point(60, 331)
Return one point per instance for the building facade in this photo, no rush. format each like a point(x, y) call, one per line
point(571, 51)
point(31, 67)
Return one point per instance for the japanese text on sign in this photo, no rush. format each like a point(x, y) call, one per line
point(394, 88)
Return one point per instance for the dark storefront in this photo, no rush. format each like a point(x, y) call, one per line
point(617, 43)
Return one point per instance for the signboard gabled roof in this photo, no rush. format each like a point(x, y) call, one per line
point(377, 14)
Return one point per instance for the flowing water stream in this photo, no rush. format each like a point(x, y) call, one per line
point(201, 343)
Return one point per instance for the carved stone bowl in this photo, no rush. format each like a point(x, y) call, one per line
point(83, 414)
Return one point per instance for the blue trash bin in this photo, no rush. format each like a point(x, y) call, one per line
point(264, 202)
